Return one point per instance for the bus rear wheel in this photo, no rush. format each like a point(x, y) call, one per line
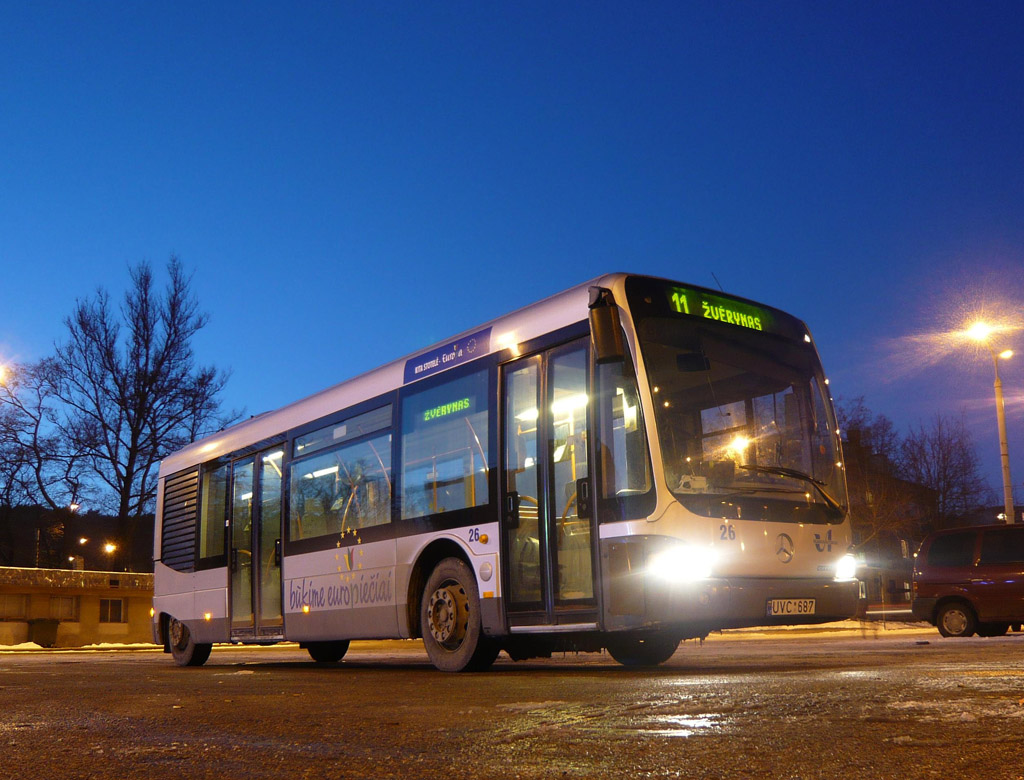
point(642, 649)
point(450, 620)
point(185, 650)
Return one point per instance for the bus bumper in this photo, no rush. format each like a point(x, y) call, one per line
point(639, 601)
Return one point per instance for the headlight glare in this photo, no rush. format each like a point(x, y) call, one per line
point(682, 563)
point(846, 568)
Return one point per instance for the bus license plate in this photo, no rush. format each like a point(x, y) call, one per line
point(788, 607)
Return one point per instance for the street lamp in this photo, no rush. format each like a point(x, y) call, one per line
point(980, 332)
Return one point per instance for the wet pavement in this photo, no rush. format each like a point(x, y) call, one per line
point(842, 704)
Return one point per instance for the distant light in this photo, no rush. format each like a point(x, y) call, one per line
point(979, 331)
point(82, 540)
point(739, 445)
point(207, 616)
point(1006, 354)
point(807, 337)
point(74, 507)
point(305, 609)
point(109, 547)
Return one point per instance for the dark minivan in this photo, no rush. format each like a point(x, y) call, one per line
point(971, 580)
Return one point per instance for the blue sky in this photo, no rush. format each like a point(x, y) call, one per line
point(350, 182)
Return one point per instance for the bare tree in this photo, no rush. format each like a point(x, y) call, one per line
point(37, 464)
point(942, 457)
point(130, 387)
point(885, 509)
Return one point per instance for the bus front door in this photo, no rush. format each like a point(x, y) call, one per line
point(255, 535)
point(548, 526)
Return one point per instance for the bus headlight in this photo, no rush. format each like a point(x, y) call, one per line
point(846, 568)
point(682, 563)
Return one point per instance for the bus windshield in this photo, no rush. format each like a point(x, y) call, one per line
point(744, 419)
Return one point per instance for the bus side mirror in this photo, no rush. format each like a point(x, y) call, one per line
point(605, 327)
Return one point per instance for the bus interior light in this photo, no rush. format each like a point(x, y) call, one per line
point(682, 563)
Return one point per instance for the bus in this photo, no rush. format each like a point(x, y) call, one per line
point(622, 466)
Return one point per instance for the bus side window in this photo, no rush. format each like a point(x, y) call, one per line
point(445, 448)
point(213, 517)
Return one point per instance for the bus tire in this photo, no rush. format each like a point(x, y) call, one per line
point(184, 649)
point(450, 620)
point(642, 649)
point(956, 619)
point(327, 652)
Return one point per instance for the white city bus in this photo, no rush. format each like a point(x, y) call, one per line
point(624, 465)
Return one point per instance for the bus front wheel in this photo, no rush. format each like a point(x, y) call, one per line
point(184, 649)
point(327, 652)
point(450, 620)
point(642, 649)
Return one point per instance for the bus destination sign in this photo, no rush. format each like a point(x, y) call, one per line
point(729, 311)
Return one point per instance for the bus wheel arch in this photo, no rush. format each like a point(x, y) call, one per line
point(426, 562)
point(450, 619)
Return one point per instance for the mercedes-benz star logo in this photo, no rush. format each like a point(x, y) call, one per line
point(784, 548)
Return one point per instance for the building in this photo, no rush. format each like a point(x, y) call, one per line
point(66, 608)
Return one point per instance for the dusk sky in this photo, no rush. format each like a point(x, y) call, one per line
point(350, 182)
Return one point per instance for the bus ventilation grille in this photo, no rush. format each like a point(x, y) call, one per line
point(178, 540)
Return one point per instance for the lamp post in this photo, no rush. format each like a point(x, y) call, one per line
point(980, 332)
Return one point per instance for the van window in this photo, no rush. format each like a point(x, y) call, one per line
point(1003, 545)
point(952, 550)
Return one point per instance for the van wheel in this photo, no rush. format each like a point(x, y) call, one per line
point(993, 629)
point(956, 619)
point(450, 620)
point(184, 649)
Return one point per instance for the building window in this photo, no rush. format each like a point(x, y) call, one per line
point(65, 608)
point(112, 611)
point(13, 606)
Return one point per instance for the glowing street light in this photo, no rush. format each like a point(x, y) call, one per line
point(981, 332)
point(109, 548)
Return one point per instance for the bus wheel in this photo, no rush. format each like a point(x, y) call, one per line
point(642, 649)
point(955, 619)
point(450, 619)
point(327, 652)
point(186, 652)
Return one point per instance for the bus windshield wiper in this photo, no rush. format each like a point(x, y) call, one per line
point(818, 485)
